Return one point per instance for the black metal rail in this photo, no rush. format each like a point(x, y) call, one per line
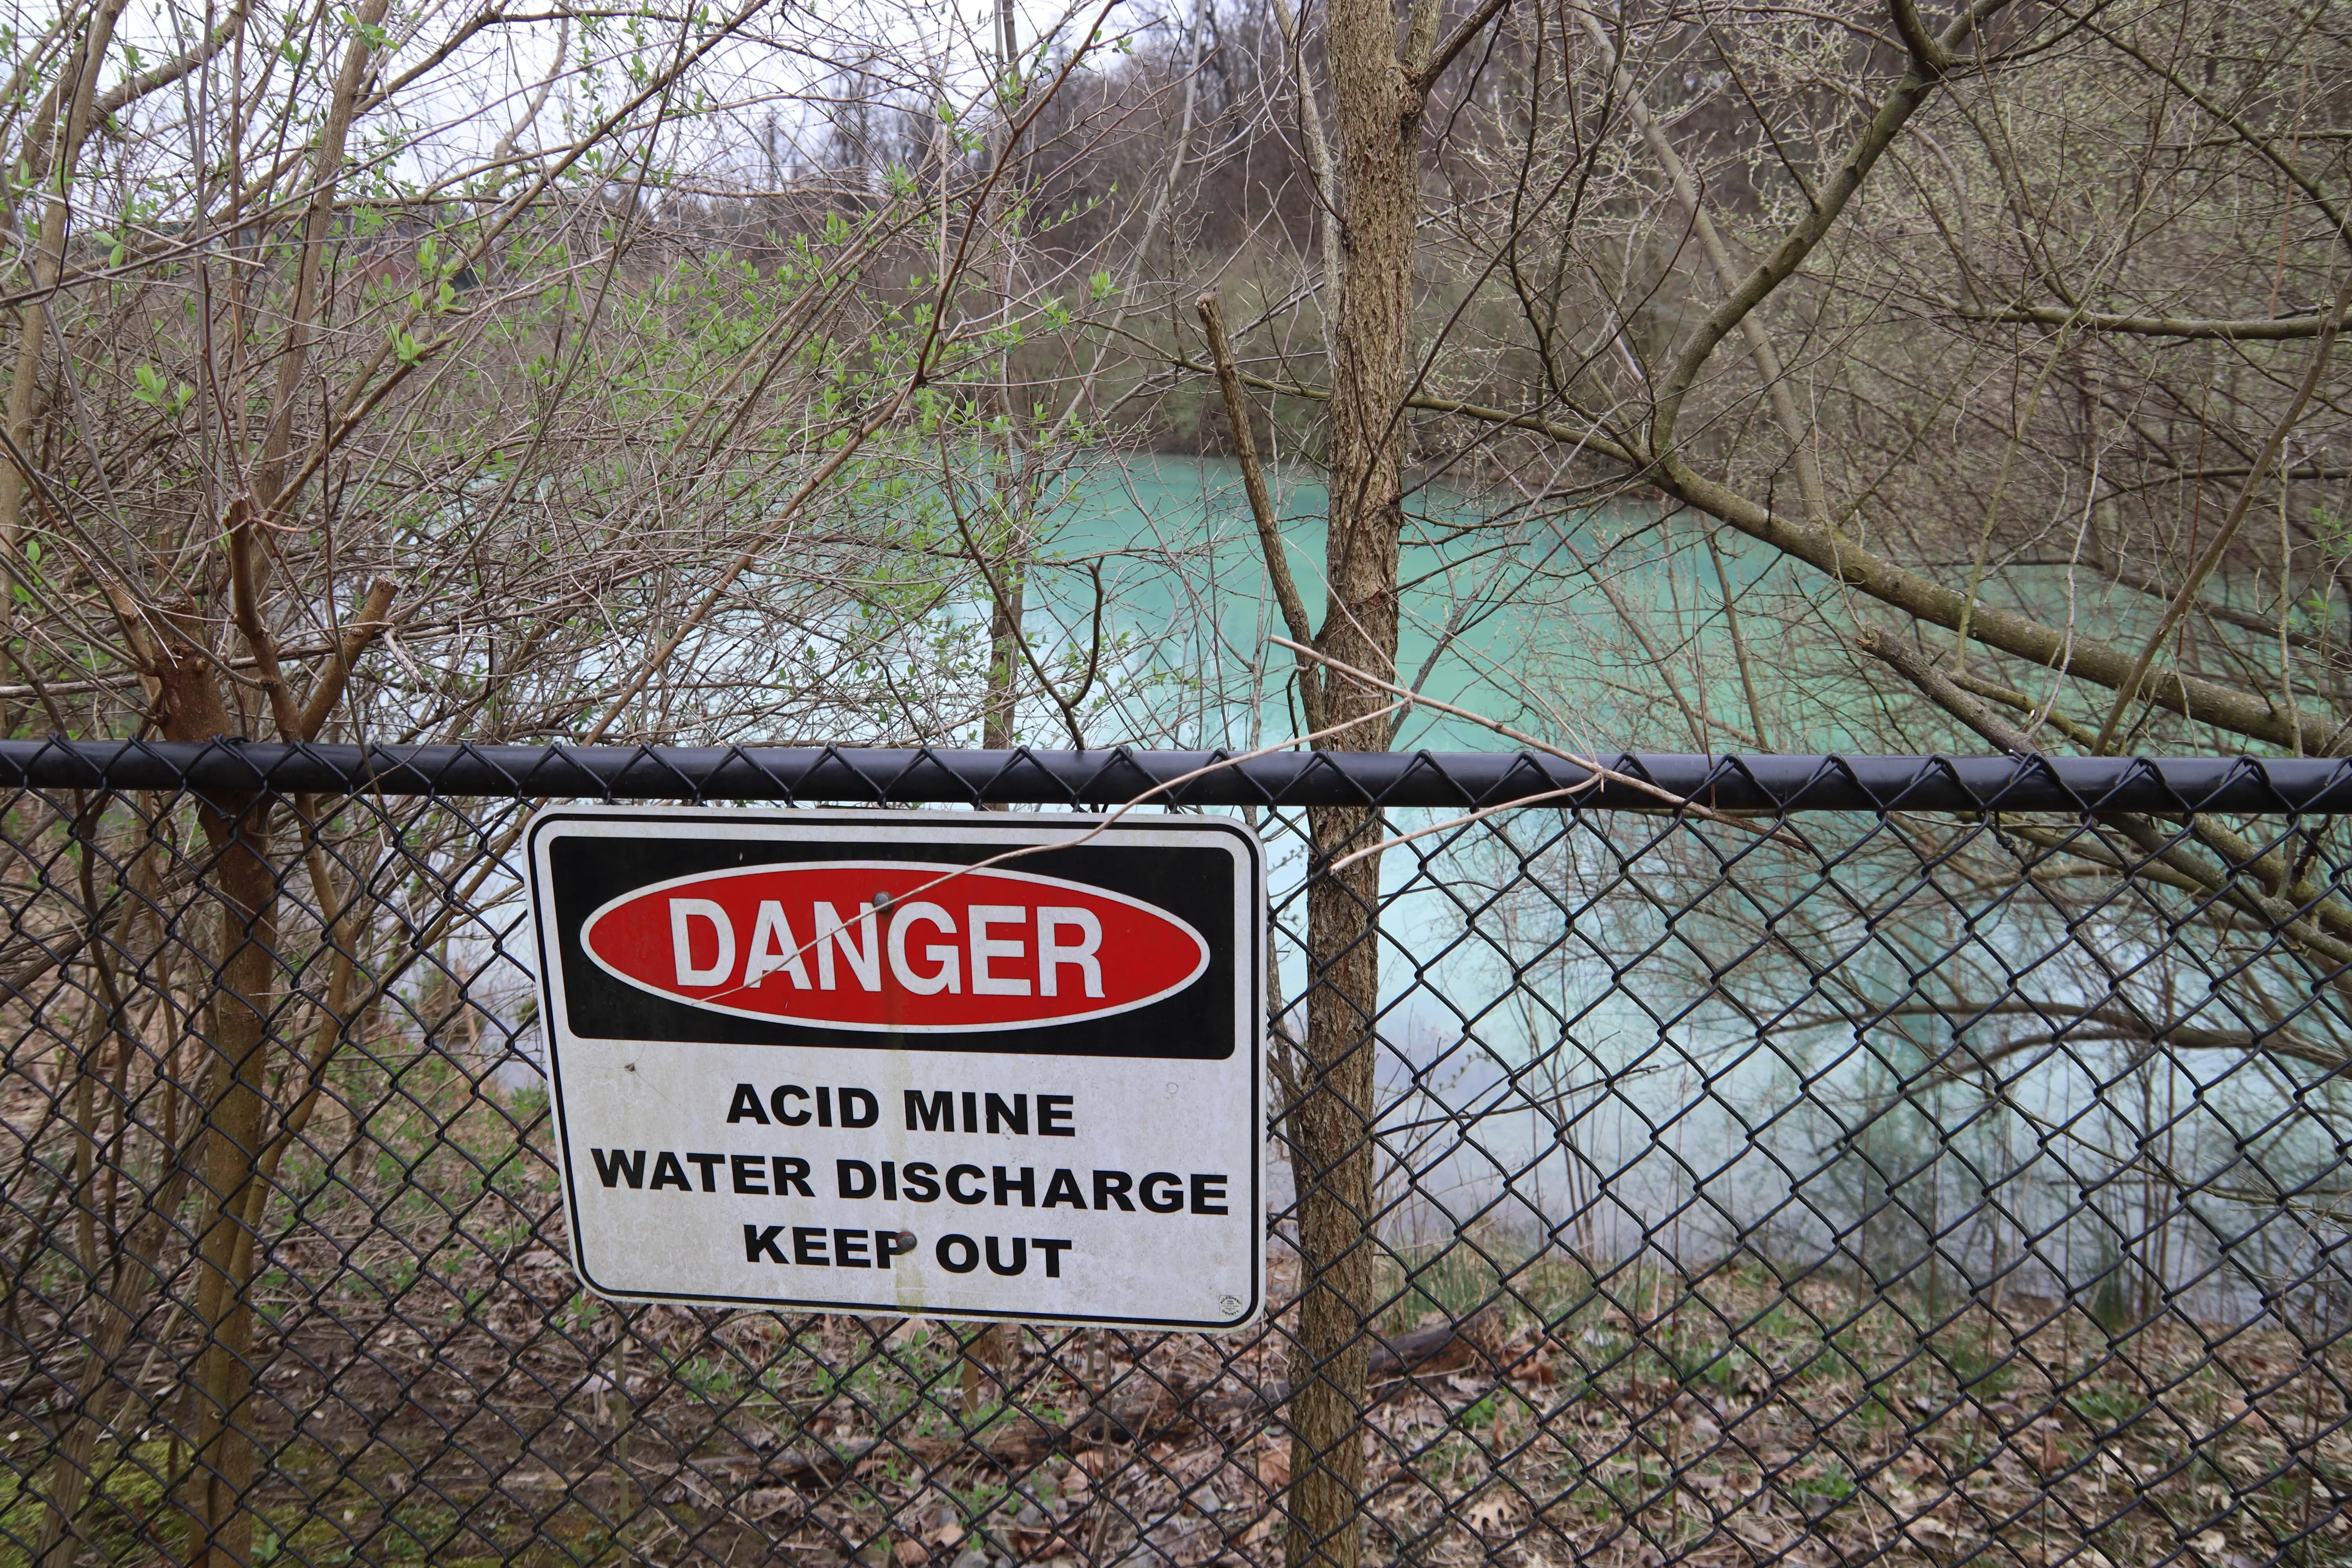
point(927, 775)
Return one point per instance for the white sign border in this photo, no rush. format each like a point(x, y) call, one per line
point(914, 827)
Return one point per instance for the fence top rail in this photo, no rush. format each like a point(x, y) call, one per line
point(888, 776)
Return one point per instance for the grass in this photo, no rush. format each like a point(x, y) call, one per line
point(128, 1511)
point(1825, 1480)
point(1455, 1281)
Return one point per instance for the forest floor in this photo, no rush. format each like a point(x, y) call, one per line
point(1524, 1414)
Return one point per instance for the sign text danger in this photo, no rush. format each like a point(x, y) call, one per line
point(895, 946)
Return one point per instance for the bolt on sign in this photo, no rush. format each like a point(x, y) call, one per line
point(873, 1062)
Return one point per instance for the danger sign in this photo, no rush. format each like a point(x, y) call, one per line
point(979, 1066)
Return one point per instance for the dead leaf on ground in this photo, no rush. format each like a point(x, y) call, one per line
point(1491, 1511)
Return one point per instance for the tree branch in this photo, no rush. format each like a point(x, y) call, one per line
point(131, 89)
point(369, 621)
point(1907, 662)
point(2120, 1024)
point(302, 328)
point(2278, 896)
point(1931, 57)
point(2009, 697)
point(1423, 75)
point(2249, 330)
point(1760, 351)
point(2337, 220)
point(1894, 112)
point(1269, 530)
point(1318, 152)
point(245, 572)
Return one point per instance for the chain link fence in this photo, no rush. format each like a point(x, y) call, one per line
point(1909, 1160)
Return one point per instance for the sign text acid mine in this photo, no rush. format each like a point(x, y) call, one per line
point(977, 1066)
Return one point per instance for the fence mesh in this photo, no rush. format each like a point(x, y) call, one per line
point(1929, 1183)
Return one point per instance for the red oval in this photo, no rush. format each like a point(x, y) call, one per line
point(895, 946)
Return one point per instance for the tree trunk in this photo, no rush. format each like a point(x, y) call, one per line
point(225, 1251)
point(234, 1105)
point(47, 266)
point(1331, 1157)
point(1331, 1127)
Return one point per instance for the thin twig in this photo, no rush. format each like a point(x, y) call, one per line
point(1589, 765)
point(1575, 789)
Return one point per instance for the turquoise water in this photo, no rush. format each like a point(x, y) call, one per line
point(1601, 631)
point(1497, 596)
